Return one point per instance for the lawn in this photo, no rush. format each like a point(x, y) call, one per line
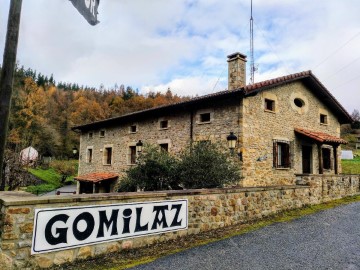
point(51, 178)
point(351, 166)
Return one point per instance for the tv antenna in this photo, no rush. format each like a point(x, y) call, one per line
point(252, 64)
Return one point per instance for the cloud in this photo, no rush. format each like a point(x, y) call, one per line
point(183, 44)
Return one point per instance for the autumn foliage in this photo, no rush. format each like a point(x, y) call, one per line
point(43, 112)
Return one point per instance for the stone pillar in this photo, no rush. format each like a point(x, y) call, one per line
point(236, 71)
point(321, 165)
point(335, 159)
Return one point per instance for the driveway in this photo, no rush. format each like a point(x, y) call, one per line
point(64, 191)
point(325, 240)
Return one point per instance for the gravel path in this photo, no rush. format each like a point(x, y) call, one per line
point(325, 240)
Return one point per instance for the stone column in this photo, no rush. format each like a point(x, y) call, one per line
point(335, 159)
point(321, 165)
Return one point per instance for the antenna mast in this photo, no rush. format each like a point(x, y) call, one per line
point(252, 64)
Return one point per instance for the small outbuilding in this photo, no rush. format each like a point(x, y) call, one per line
point(347, 154)
point(98, 182)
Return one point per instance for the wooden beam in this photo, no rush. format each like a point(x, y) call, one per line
point(335, 159)
point(321, 165)
point(7, 77)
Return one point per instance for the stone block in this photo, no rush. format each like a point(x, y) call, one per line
point(9, 236)
point(44, 261)
point(23, 210)
point(63, 257)
point(127, 245)
point(8, 246)
point(5, 262)
point(27, 228)
point(84, 252)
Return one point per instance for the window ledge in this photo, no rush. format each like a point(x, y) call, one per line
point(107, 164)
point(282, 169)
point(269, 111)
point(324, 124)
point(204, 123)
point(163, 128)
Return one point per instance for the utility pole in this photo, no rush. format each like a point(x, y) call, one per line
point(7, 77)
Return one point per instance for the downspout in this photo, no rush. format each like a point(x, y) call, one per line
point(191, 127)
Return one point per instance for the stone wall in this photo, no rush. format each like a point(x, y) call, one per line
point(207, 209)
point(261, 127)
point(224, 118)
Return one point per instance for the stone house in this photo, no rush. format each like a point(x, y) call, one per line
point(285, 127)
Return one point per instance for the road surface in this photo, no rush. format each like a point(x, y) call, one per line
point(326, 240)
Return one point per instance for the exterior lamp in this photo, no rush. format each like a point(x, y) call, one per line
point(231, 141)
point(74, 150)
point(139, 146)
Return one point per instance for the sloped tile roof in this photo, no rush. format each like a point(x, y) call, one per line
point(96, 177)
point(320, 136)
point(318, 89)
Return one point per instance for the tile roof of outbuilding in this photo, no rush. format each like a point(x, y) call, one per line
point(249, 90)
point(96, 177)
point(320, 136)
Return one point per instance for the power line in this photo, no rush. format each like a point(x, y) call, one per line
point(337, 50)
point(349, 81)
point(344, 67)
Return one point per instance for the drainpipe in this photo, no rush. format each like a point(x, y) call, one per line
point(191, 127)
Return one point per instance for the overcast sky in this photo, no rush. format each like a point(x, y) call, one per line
point(183, 44)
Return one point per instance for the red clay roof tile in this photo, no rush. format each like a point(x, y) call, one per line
point(96, 177)
point(320, 136)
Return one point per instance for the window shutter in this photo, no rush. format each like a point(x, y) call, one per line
point(275, 154)
point(287, 156)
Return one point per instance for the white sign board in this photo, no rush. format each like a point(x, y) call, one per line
point(70, 227)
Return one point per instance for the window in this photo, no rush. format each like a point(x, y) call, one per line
point(164, 124)
point(269, 105)
point(326, 158)
point(323, 119)
point(102, 133)
point(204, 117)
point(132, 154)
point(164, 147)
point(107, 155)
point(299, 102)
point(90, 135)
point(281, 154)
point(133, 129)
point(89, 155)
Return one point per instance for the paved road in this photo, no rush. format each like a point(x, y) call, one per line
point(326, 240)
point(67, 189)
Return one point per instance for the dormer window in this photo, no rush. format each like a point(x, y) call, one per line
point(323, 119)
point(269, 105)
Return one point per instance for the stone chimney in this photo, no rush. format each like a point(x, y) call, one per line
point(237, 71)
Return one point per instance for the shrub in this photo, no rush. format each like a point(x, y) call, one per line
point(155, 171)
point(206, 165)
point(201, 165)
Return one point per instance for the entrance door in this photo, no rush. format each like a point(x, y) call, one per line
point(306, 158)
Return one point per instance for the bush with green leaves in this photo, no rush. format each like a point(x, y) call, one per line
point(155, 170)
point(207, 165)
point(201, 165)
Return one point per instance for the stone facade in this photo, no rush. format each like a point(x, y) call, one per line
point(264, 116)
point(207, 210)
point(261, 127)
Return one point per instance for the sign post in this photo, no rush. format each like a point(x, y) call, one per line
point(7, 78)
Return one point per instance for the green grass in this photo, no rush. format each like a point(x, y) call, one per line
point(51, 178)
point(351, 166)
